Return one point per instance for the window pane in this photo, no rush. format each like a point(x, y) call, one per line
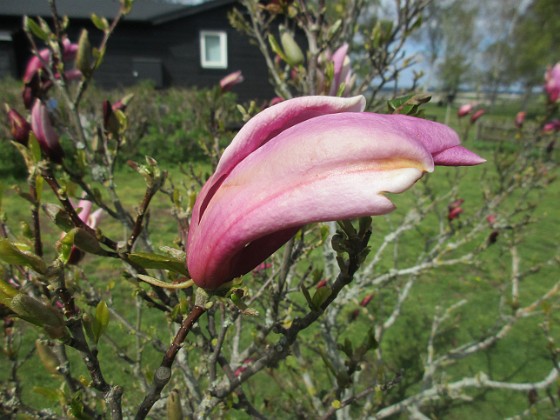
point(213, 48)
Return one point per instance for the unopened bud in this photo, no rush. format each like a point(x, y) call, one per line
point(110, 121)
point(174, 409)
point(321, 283)
point(454, 213)
point(292, 51)
point(19, 127)
point(47, 356)
point(84, 54)
point(366, 300)
point(45, 133)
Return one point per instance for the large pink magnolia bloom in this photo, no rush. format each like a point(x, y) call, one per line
point(552, 83)
point(307, 160)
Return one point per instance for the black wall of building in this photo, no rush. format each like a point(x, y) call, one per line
point(167, 53)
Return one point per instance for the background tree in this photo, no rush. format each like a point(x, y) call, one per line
point(536, 37)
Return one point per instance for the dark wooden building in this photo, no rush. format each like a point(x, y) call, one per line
point(169, 44)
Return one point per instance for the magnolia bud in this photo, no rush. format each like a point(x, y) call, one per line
point(84, 54)
point(110, 121)
point(174, 410)
point(292, 51)
point(36, 312)
point(47, 356)
point(19, 127)
point(45, 133)
point(366, 300)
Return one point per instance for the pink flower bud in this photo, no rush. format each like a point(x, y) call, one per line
point(477, 115)
point(243, 367)
point(275, 100)
point(321, 283)
point(231, 80)
point(520, 119)
point(551, 126)
point(44, 56)
point(366, 300)
point(262, 267)
point(19, 127)
point(454, 213)
point(491, 219)
point(44, 131)
point(464, 110)
point(456, 203)
point(552, 83)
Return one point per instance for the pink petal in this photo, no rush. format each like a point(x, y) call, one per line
point(85, 206)
point(95, 218)
point(44, 131)
point(268, 124)
point(341, 68)
point(457, 156)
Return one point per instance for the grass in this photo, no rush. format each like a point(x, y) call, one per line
point(522, 356)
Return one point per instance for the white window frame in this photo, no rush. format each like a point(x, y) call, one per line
point(205, 62)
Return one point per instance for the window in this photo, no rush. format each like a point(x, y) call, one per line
point(213, 49)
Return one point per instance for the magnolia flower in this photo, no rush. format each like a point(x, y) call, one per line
point(551, 126)
point(464, 110)
point(38, 61)
point(477, 115)
point(90, 219)
point(552, 83)
point(342, 71)
point(306, 160)
point(37, 82)
point(520, 119)
point(231, 80)
point(44, 131)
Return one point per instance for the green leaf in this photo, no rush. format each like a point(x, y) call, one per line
point(275, 46)
point(7, 292)
point(100, 22)
point(320, 296)
point(31, 26)
point(11, 254)
point(58, 216)
point(159, 262)
point(100, 320)
point(126, 6)
point(87, 242)
point(51, 394)
point(84, 54)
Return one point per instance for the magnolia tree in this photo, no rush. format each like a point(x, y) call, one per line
point(281, 294)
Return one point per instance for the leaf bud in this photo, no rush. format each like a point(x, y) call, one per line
point(174, 409)
point(292, 51)
point(47, 356)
